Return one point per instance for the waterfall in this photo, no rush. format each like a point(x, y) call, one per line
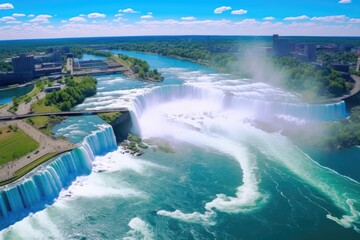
point(44, 185)
point(257, 108)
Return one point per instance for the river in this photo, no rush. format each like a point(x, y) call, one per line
point(224, 178)
point(6, 95)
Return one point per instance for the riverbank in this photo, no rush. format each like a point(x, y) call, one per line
point(134, 67)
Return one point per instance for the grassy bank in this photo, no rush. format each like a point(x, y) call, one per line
point(15, 143)
point(109, 117)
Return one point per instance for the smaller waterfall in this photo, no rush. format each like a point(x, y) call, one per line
point(45, 185)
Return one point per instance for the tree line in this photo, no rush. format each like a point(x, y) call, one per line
point(75, 93)
point(141, 68)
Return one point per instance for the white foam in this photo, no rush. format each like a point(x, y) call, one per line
point(207, 218)
point(118, 161)
point(248, 196)
point(95, 186)
point(35, 226)
point(139, 230)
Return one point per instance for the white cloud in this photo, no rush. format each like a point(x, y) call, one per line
point(6, 6)
point(179, 27)
point(146, 17)
point(77, 19)
point(18, 15)
point(7, 18)
point(247, 22)
point(119, 19)
point(188, 18)
point(42, 18)
point(13, 22)
point(239, 12)
point(119, 15)
point(335, 18)
point(128, 10)
point(149, 13)
point(354, 20)
point(222, 9)
point(82, 15)
point(31, 15)
point(268, 18)
point(345, 1)
point(302, 17)
point(96, 15)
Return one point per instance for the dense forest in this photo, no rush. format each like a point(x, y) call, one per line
point(345, 133)
point(76, 91)
point(306, 78)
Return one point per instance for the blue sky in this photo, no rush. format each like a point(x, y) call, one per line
point(80, 18)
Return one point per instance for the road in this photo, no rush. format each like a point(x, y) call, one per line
point(47, 145)
point(67, 113)
point(25, 108)
point(354, 90)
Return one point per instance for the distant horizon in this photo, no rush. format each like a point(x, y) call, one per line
point(106, 18)
point(190, 35)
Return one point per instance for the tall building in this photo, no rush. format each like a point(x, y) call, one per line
point(23, 63)
point(281, 46)
point(24, 67)
point(310, 51)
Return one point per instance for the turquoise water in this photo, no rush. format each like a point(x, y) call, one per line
point(224, 178)
point(7, 95)
point(87, 57)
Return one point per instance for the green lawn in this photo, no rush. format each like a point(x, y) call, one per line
point(44, 123)
point(40, 107)
point(15, 144)
point(121, 61)
point(109, 117)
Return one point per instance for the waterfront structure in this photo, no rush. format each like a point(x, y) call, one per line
point(96, 66)
point(27, 68)
point(341, 67)
point(23, 71)
point(23, 63)
point(54, 88)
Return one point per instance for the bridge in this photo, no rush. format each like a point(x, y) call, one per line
point(64, 113)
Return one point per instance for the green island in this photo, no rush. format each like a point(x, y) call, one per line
point(77, 89)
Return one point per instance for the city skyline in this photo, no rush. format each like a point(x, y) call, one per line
point(45, 19)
